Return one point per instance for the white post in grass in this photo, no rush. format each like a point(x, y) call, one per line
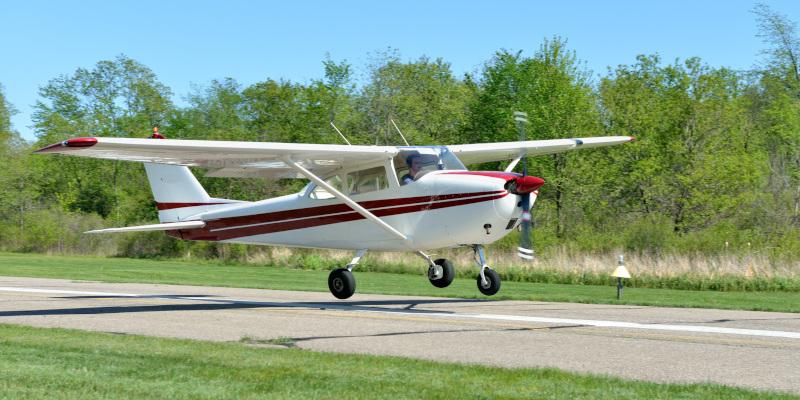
point(620, 273)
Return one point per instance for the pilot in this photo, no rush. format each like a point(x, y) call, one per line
point(414, 163)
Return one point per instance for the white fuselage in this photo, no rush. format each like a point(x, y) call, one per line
point(441, 209)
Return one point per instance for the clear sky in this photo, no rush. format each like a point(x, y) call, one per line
point(190, 43)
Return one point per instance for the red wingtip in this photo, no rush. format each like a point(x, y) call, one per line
point(632, 138)
point(75, 143)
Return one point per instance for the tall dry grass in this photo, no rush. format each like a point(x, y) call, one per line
point(664, 265)
point(677, 271)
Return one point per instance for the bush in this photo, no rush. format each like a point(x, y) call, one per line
point(648, 235)
point(149, 245)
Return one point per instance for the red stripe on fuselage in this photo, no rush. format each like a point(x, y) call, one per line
point(506, 176)
point(170, 206)
point(334, 208)
point(227, 228)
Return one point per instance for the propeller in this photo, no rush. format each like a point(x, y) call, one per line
point(525, 249)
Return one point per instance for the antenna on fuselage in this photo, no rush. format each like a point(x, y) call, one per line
point(340, 134)
point(398, 131)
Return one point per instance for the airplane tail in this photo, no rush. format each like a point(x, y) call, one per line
point(178, 194)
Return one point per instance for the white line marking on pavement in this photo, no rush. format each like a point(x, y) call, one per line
point(53, 291)
point(439, 314)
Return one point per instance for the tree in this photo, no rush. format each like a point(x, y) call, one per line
point(777, 108)
point(115, 98)
point(422, 97)
point(17, 197)
point(780, 34)
point(6, 111)
point(695, 160)
point(338, 85)
point(554, 90)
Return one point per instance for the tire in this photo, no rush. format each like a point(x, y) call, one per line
point(494, 282)
point(341, 283)
point(449, 272)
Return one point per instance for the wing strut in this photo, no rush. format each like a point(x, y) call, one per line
point(347, 200)
point(514, 162)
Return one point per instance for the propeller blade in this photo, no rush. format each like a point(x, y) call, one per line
point(521, 120)
point(525, 249)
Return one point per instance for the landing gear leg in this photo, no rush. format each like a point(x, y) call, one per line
point(341, 282)
point(355, 259)
point(488, 279)
point(440, 272)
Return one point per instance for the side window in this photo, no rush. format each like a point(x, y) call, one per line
point(367, 180)
point(319, 193)
point(357, 182)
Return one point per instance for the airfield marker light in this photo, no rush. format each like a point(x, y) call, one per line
point(620, 273)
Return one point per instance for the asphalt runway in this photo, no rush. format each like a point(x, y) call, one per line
point(757, 350)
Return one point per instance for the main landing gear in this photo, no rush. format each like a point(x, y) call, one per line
point(342, 283)
point(440, 272)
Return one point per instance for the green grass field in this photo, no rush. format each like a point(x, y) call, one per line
point(248, 276)
point(41, 363)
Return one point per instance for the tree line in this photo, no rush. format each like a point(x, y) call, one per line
point(715, 166)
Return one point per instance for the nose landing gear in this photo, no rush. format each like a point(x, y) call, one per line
point(488, 279)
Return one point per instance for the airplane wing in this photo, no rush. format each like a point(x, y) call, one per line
point(227, 158)
point(486, 152)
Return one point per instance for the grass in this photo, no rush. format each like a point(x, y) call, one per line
point(278, 341)
point(42, 363)
point(720, 272)
point(249, 276)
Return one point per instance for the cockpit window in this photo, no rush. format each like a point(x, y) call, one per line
point(355, 182)
point(413, 162)
point(319, 193)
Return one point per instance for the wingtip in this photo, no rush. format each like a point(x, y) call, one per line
point(631, 138)
point(69, 144)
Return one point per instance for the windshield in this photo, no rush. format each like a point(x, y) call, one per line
point(412, 162)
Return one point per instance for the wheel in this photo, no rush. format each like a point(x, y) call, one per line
point(448, 273)
point(493, 284)
point(341, 283)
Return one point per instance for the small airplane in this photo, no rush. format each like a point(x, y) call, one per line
point(383, 198)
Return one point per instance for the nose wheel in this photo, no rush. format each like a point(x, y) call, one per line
point(490, 284)
point(488, 279)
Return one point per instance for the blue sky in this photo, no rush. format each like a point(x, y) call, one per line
point(190, 43)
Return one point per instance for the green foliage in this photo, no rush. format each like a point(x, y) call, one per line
point(553, 89)
point(715, 167)
point(6, 111)
point(423, 98)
